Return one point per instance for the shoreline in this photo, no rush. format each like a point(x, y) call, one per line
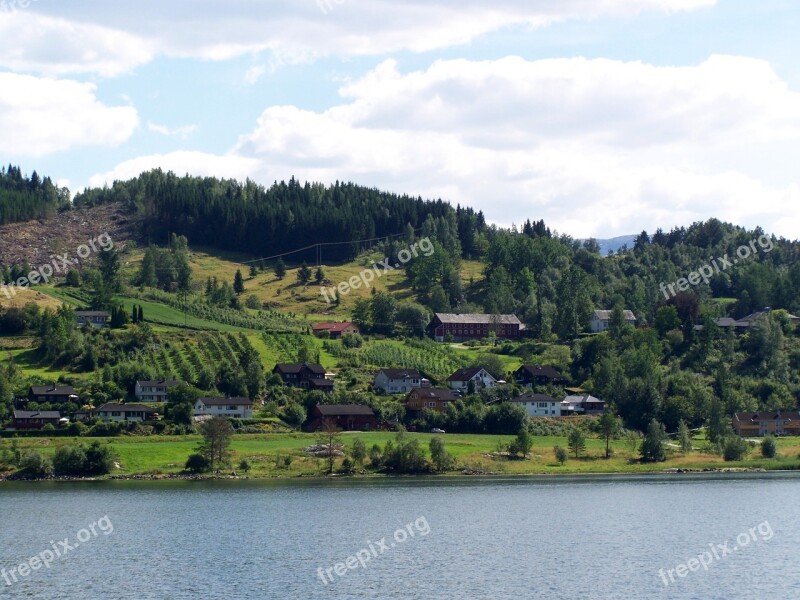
point(384, 476)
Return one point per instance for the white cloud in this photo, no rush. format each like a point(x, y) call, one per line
point(594, 147)
point(34, 42)
point(40, 116)
point(182, 162)
point(110, 38)
point(182, 132)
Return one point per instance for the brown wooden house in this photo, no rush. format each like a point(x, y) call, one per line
point(307, 376)
point(428, 398)
point(474, 326)
point(349, 417)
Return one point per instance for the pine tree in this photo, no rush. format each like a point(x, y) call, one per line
point(238, 283)
point(280, 269)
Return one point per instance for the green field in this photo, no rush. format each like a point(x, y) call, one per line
point(167, 455)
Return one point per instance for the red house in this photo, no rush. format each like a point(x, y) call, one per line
point(474, 326)
point(349, 417)
point(336, 330)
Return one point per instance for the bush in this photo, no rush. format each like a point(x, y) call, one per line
point(253, 302)
point(769, 449)
point(735, 448)
point(197, 463)
point(561, 454)
point(79, 461)
point(352, 340)
point(244, 465)
point(34, 466)
point(49, 428)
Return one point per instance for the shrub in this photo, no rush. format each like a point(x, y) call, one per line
point(34, 466)
point(244, 465)
point(80, 461)
point(561, 454)
point(735, 448)
point(352, 340)
point(197, 463)
point(769, 449)
point(49, 427)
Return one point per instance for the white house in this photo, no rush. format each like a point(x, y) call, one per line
point(153, 391)
point(236, 408)
point(601, 319)
point(539, 405)
point(480, 378)
point(582, 405)
point(399, 381)
point(125, 412)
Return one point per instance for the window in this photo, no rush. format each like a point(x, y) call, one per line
point(431, 404)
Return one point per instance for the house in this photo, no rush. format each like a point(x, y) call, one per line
point(153, 391)
point(398, 381)
point(582, 405)
point(539, 405)
point(236, 408)
point(54, 394)
point(428, 398)
point(474, 326)
point(336, 330)
point(761, 423)
point(531, 375)
point(97, 318)
point(349, 417)
point(307, 376)
point(126, 412)
point(743, 324)
point(34, 419)
point(480, 378)
point(601, 319)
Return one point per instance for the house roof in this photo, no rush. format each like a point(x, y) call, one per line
point(433, 394)
point(344, 410)
point(36, 414)
point(478, 318)
point(297, 367)
point(401, 373)
point(581, 400)
point(766, 415)
point(321, 383)
point(93, 313)
point(333, 326)
point(605, 315)
point(113, 407)
point(531, 397)
point(53, 390)
point(226, 401)
point(466, 374)
point(541, 371)
point(162, 382)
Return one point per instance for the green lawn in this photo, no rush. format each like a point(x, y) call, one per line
point(165, 455)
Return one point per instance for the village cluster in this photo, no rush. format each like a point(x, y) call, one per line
point(418, 393)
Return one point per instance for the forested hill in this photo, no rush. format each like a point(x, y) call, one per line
point(24, 198)
point(261, 221)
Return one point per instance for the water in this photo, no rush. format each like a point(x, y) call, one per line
point(587, 538)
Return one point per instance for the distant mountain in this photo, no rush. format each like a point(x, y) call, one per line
point(615, 244)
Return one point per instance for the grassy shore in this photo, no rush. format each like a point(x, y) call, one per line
point(165, 456)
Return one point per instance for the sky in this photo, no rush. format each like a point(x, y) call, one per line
point(602, 117)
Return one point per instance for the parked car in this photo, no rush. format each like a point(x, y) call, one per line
point(437, 430)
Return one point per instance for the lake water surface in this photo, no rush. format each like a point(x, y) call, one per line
point(464, 538)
